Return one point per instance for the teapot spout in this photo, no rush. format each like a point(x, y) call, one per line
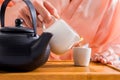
point(41, 46)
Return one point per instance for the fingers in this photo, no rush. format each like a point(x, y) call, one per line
point(39, 22)
point(95, 58)
point(104, 61)
point(42, 10)
point(45, 9)
point(51, 9)
point(99, 58)
point(105, 58)
point(25, 17)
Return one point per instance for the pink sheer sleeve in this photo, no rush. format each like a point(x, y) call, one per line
point(107, 36)
point(97, 21)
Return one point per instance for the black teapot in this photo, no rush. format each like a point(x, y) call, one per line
point(21, 49)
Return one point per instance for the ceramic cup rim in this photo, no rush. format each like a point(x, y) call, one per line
point(81, 47)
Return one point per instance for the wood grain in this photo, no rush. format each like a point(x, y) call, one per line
point(65, 70)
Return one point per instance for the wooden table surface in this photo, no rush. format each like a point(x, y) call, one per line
point(65, 70)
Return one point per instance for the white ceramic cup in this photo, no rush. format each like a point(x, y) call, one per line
point(81, 56)
point(63, 37)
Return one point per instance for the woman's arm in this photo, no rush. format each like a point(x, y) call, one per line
point(19, 10)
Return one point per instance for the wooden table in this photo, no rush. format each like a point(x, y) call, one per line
point(65, 70)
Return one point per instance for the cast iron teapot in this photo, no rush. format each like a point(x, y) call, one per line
point(21, 49)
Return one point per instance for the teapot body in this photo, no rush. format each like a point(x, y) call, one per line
point(16, 44)
point(19, 52)
point(21, 49)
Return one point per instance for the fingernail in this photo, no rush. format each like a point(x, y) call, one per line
point(40, 18)
point(56, 15)
point(105, 61)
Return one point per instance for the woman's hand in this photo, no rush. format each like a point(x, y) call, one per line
point(44, 10)
point(107, 57)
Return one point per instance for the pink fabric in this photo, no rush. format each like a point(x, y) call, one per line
point(97, 21)
point(10, 4)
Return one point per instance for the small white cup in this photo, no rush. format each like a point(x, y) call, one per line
point(63, 36)
point(81, 56)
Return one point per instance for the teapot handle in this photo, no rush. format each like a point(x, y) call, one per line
point(32, 13)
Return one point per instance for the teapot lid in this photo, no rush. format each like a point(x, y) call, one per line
point(16, 30)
